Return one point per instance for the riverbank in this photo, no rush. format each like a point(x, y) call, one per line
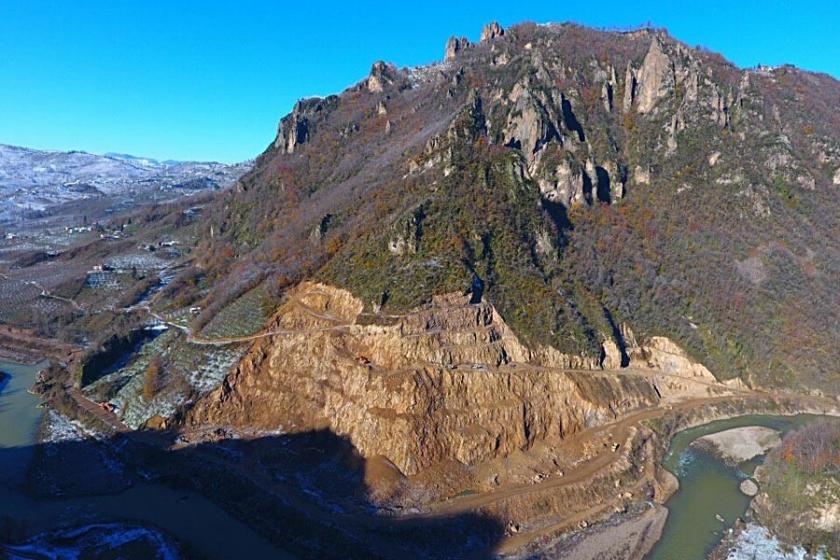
point(750, 541)
point(74, 493)
point(24, 347)
point(665, 430)
point(627, 535)
point(97, 541)
point(709, 502)
point(740, 444)
point(800, 488)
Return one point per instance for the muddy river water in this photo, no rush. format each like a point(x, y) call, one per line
point(708, 489)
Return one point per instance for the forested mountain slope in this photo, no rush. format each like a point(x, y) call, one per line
point(576, 179)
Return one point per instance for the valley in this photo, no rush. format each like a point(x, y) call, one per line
point(515, 500)
point(481, 308)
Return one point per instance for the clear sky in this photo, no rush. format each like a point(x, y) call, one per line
point(210, 79)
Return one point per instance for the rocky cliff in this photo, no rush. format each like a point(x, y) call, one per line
point(448, 381)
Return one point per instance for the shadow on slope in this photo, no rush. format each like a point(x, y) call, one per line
point(305, 493)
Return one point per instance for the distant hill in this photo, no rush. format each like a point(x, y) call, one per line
point(35, 180)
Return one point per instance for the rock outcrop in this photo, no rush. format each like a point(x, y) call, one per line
point(531, 123)
point(655, 78)
point(661, 353)
point(674, 374)
point(631, 84)
point(564, 184)
point(454, 46)
point(749, 487)
point(382, 75)
point(296, 128)
point(448, 381)
point(491, 31)
point(406, 238)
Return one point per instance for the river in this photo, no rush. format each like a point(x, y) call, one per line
point(192, 519)
point(708, 488)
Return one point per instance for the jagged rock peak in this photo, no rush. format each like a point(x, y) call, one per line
point(491, 31)
point(296, 128)
point(382, 74)
point(655, 77)
point(454, 46)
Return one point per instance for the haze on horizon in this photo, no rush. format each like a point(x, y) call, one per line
point(209, 81)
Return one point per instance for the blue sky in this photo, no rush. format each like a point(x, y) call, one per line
point(209, 80)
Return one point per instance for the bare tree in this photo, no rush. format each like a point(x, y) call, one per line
point(151, 383)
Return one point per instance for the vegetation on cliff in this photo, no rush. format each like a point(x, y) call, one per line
point(801, 481)
point(580, 180)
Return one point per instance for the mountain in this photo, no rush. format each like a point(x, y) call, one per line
point(460, 310)
point(480, 255)
point(580, 181)
point(35, 180)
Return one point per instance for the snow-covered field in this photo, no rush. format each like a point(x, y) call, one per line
point(34, 180)
point(191, 370)
point(58, 428)
point(140, 261)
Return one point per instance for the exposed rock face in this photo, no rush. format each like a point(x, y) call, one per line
point(836, 179)
point(491, 31)
point(564, 185)
point(827, 518)
point(437, 385)
point(293, 130)
point(631, 84)
point(608, 90)
point(382, 75)
point(612, 355)
point(296, 127)
point(409, 230)
point(454, 46)
point(663, 354)
point(471, 122)
point(531, 125)
point(656, 78)
point(470, 131)
point(673, 373)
